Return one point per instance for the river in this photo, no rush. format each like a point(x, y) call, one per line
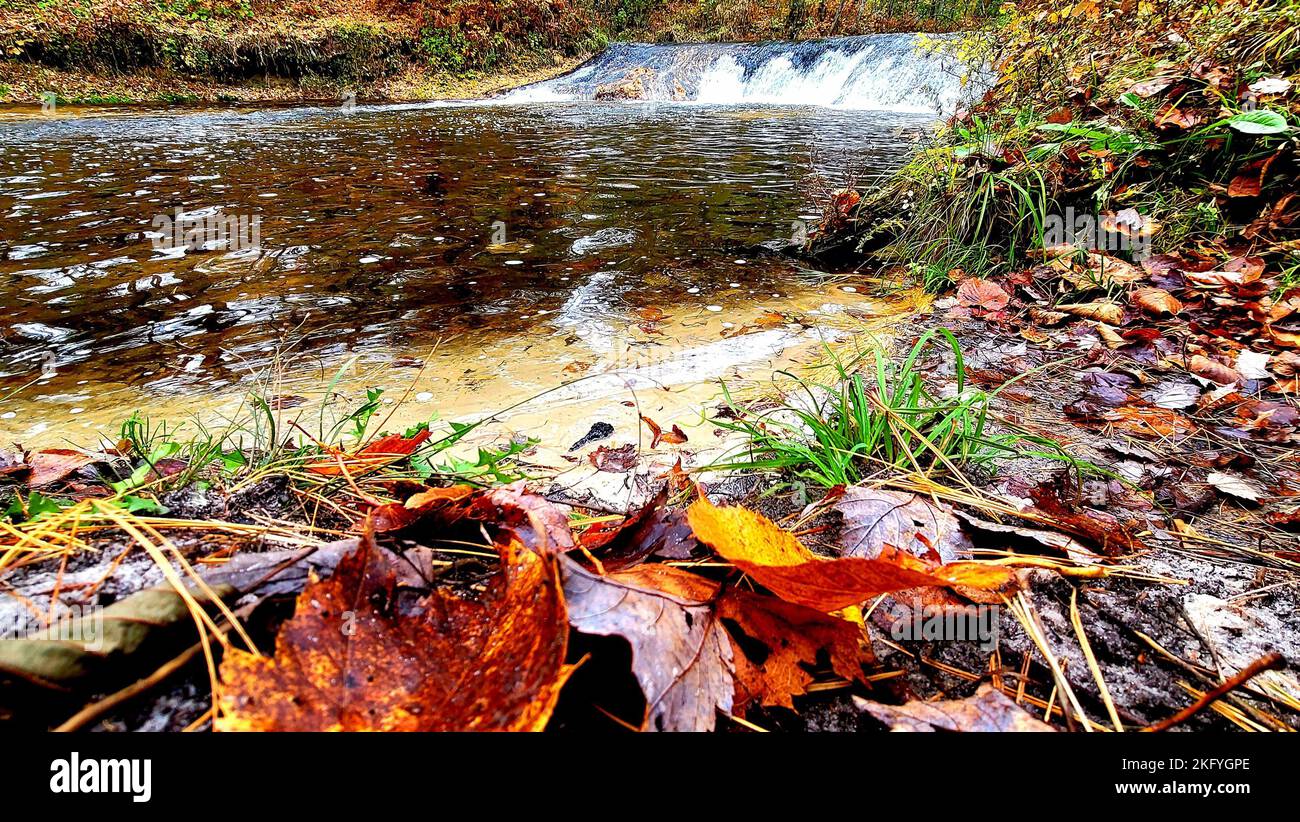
point(463, 256)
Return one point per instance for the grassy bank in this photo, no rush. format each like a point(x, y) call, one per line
point(1180, 116)
point(97, 51)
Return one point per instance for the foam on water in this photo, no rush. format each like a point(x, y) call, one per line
point(881, 72)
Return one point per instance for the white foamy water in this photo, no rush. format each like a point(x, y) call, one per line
point(889, 72)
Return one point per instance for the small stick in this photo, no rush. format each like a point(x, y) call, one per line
point(1268, 662)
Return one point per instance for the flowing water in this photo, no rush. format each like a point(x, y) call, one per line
point(525, 241)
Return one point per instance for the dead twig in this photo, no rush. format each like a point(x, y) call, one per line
point(1268, 662)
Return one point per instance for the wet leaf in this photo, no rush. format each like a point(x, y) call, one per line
point(614, 460)
point(675, 436)
point(681, 653)
point(398, 515)
point(655, 529)
point(512, 511)
point(779, 562)
point(793, 638)
point(381, 452)
point(55, 464)
point(988, 711)
point(352, 659)
point(875, 519)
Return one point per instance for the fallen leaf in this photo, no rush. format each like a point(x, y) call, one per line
point(779, 562)
point(1234, 485)
point(875, 519)
point(1100, 311)
point(1174, 395)
point(1150, 88)
point(396, 516)
point(1150, 422)
point(377, 454)
point(1212, 370)
point(675, 436)
point(657, 529)
point(1089, 269)
point(793, 637)
point(1063, 543)
point(989, 710)
point(681, 653)
point(351, 659)
point(55, 464)
point(1271, 85)
point(1253, 365)
point(982, 294)
point(614, 460)
point(514, 512)
point(1156, 301)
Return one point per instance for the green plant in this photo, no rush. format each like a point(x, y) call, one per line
point(876, 416)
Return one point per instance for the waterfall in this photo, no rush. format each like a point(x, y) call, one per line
point(879, 71)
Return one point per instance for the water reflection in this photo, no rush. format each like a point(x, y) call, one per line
point(388, 228)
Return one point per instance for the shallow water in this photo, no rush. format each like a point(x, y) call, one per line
point(525, 243)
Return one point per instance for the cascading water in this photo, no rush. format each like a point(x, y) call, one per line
point(881, 71)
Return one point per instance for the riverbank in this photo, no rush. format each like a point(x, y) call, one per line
point(218, 51)
point(221, 51)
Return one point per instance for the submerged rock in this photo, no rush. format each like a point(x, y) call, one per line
point(631, 87)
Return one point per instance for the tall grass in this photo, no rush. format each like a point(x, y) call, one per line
point(875, 417)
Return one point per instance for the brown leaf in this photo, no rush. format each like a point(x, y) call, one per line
point(1149, 422)
point(1150, 88)
point(875, 519)
point(658, 435)
point(1090, 269)
point(377, 454)
point(351, 659)
point(515, 512)
point(1060, 116)
point(1249, 180)
point(614, 460)
point(989, 710)
point(1171, 117)
point(1213, 370)
point(793, 637)
point(779, 562)
point(681, 653)
point(1105, 312)
point(397, 515)
point(55, 464)
point(1156, 301)
point(655, 529)
point(982, 294)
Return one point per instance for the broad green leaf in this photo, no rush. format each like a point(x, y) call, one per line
point(1261, 121)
